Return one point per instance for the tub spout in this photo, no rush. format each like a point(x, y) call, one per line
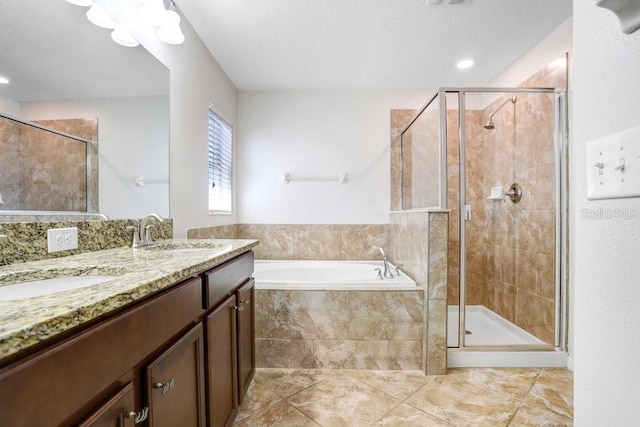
point(386, 271)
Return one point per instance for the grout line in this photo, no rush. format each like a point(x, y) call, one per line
point(524, 397)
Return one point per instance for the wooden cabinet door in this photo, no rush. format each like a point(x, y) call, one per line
point(117, 411)
point(246, 337)
point(222, 401)
point(175, 383)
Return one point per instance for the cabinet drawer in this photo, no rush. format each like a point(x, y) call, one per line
point(61, 383)
point(225, 278)
point(113, 412)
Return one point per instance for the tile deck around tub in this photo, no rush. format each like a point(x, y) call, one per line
point(464, 397)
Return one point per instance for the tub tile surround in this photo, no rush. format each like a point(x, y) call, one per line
point(419, 244)
point(334, 330)
point(304, 241)
point(27, 241)
point(479, 396)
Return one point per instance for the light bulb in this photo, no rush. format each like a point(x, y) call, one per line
point(153, 12)
point(96, 15)
point(123, 38)
point(4, 80)
point(465, 63)
point(170, 31)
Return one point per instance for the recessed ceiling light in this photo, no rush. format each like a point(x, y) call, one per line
point(464, 63)
point(4, 80)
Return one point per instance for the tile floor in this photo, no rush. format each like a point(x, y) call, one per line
point(464, 397)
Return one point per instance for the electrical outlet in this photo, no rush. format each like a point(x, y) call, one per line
point(62, 239)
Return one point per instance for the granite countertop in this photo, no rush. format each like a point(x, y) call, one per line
point(140, 272)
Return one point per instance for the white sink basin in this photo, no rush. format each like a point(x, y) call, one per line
point(36, 288)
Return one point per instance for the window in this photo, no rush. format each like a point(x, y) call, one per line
point(220, 165)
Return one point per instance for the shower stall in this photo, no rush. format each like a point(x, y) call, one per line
point(496, 159)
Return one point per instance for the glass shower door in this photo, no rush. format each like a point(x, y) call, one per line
point(508, 219)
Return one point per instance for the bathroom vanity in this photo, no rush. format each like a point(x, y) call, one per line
point(174, 349)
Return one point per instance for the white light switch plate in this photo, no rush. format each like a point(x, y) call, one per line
point(613, 166)
point(62, 239)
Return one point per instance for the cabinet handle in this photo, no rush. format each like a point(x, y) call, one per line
point(239, 308)
point(164, 386)
point(138, 417)
point(244, 301)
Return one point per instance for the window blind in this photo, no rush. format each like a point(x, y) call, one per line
point(220, 165)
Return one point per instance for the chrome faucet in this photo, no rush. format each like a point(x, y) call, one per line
point(100, 216)
point(141, 231)
point(386, 272)
point(145, 228)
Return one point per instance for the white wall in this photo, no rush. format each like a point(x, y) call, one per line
point(317, 133)
point(606, 253)
point(196, 80)
point(133, 140)
point(9, 106)
point(552, 47)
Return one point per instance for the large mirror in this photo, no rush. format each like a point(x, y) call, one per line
point(62, 69)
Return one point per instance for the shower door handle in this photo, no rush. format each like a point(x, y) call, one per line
point(467, 212)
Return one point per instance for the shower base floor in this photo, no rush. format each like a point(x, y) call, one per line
point(490, 329)
point(487, 328)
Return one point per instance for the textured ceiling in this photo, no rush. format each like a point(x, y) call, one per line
point(319, 44)
point(50, 51)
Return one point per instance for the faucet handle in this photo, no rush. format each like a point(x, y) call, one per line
point(135, 239)
point(147, 234)
point(379, 270)
point(398, 271)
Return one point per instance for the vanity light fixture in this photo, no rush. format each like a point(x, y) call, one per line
point(123, 38)
point(81, 2)
point(170, 31)
point(151, 12)
point(97, 16)
point(465, 63)
point(4, 80)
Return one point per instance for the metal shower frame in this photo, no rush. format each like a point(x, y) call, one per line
point(561, 186)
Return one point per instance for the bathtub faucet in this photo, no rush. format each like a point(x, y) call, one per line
point(386, 272)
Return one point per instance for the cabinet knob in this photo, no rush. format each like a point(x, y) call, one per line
point(138, 417)
point(244, 301)
point(239, 308)
point(166, 386)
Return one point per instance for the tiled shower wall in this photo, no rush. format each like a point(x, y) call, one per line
point(45, 171)
point(510, 253)
point(511, 250)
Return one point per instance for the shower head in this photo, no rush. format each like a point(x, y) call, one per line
point(490, 125)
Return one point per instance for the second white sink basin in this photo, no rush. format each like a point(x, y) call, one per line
point(36, 288)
